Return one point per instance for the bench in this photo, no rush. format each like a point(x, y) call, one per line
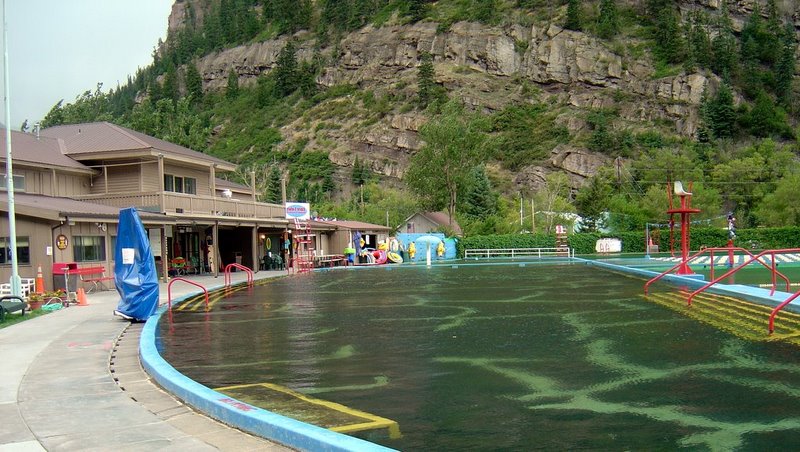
point(7, 307)
point(96, 276)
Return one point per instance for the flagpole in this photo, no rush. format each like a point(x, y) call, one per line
point(16, 282)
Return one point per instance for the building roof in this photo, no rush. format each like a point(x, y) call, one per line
point(224, 183)
point(90, 139)
point(439, 218)
point(55, 208)
point(355, 225)
point(26, 148)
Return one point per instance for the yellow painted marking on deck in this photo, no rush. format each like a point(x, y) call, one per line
point(374, 422)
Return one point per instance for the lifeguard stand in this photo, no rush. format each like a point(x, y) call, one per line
point(562, 245)
point(684, 210)
point(304, 251)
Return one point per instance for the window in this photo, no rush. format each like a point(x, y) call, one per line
point(19, 183)
point(190, 185)
point(86, 248)
point(23, 250)
point(180, 184)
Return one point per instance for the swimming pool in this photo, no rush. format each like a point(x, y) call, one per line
point(493, 357)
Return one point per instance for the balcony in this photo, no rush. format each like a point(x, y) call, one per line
point(180, 203)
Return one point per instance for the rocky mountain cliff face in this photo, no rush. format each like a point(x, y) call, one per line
point(489, 68)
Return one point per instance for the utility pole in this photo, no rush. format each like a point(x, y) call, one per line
point(533, 217)
point(16, 281)
point(520, 210)
point(283, 189)
point(361, 188)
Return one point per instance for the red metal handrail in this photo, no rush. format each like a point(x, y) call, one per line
point(757, 258)
point(227, 276)
point(691, 258)
point(779, 308)
point(169, 293)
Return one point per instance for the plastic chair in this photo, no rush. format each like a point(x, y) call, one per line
point(178, 265)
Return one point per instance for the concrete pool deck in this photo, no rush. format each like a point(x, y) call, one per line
point(67, 384)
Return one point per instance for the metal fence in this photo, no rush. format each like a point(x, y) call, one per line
point(518, 252)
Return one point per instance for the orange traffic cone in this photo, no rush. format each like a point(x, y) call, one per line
point(82, 301)
point(39, 281)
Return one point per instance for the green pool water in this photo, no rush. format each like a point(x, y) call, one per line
point(498, 357)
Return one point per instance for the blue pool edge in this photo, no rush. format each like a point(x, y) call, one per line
point(249, 418)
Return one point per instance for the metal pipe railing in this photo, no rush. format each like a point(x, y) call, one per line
point(169, 293)
point(753, 258)
point(227, 276)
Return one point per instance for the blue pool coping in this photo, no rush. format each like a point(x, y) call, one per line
point(303, 436)
point(258, 421)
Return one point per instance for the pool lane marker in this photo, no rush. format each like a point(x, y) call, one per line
point(373, 422)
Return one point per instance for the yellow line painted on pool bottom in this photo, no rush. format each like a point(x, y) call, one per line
point(374, 422)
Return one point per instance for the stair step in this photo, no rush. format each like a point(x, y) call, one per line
point(741, 318)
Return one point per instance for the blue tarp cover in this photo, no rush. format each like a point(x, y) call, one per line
point(136, 282)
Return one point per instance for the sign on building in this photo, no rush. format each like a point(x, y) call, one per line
point(298, 210)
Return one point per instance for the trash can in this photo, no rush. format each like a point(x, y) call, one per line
point(62, 279)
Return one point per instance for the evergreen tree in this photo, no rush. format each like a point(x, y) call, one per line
point(232, 90)
point(285, 72)
point(357, 175)
point(670, 47)
point(170, 87)
point(194, 83)
point(480, 201)
point(719, 114)
point(785, 69)
point(425, 80)
point(417, 9)
point(724, 47)
point(592, 202)
point(574, 19)
point(273, 189)
point(699, 43)
point(608, 21)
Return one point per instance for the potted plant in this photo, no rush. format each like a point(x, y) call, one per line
point(35, 301)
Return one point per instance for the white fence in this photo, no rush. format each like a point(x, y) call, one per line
point(518, 252)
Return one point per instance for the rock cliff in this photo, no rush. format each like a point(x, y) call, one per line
point(487, 67)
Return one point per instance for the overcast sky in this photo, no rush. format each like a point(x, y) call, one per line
point(60, 48)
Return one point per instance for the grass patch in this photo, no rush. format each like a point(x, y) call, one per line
point(13, 319)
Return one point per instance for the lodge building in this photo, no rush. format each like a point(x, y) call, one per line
point(71, 181)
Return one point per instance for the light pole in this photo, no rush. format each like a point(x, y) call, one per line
point(16, 282)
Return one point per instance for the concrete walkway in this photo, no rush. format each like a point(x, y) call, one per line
point(71, 380)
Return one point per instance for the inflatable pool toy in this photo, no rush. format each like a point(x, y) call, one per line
point(394, 257)
point(380, 256)
point(383, 246)
point(412, 250)
point(440, 249)
point(394, 245)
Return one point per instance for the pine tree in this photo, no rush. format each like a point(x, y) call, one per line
point(273, 190)
point(785, 69)
point(417, 9)
point(724, 46)
point(718, 113)
point(699, 43)
point(574, 20)
point(357, 173)
point(194, 83)
point(607, 21)
point(285, 72)
point(232, 90)
point(480, 201)
point(670, 47)
point(425, 80)
point(170, 87)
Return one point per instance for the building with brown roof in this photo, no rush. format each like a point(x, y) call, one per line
point(425, 222)
point(70, 182)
